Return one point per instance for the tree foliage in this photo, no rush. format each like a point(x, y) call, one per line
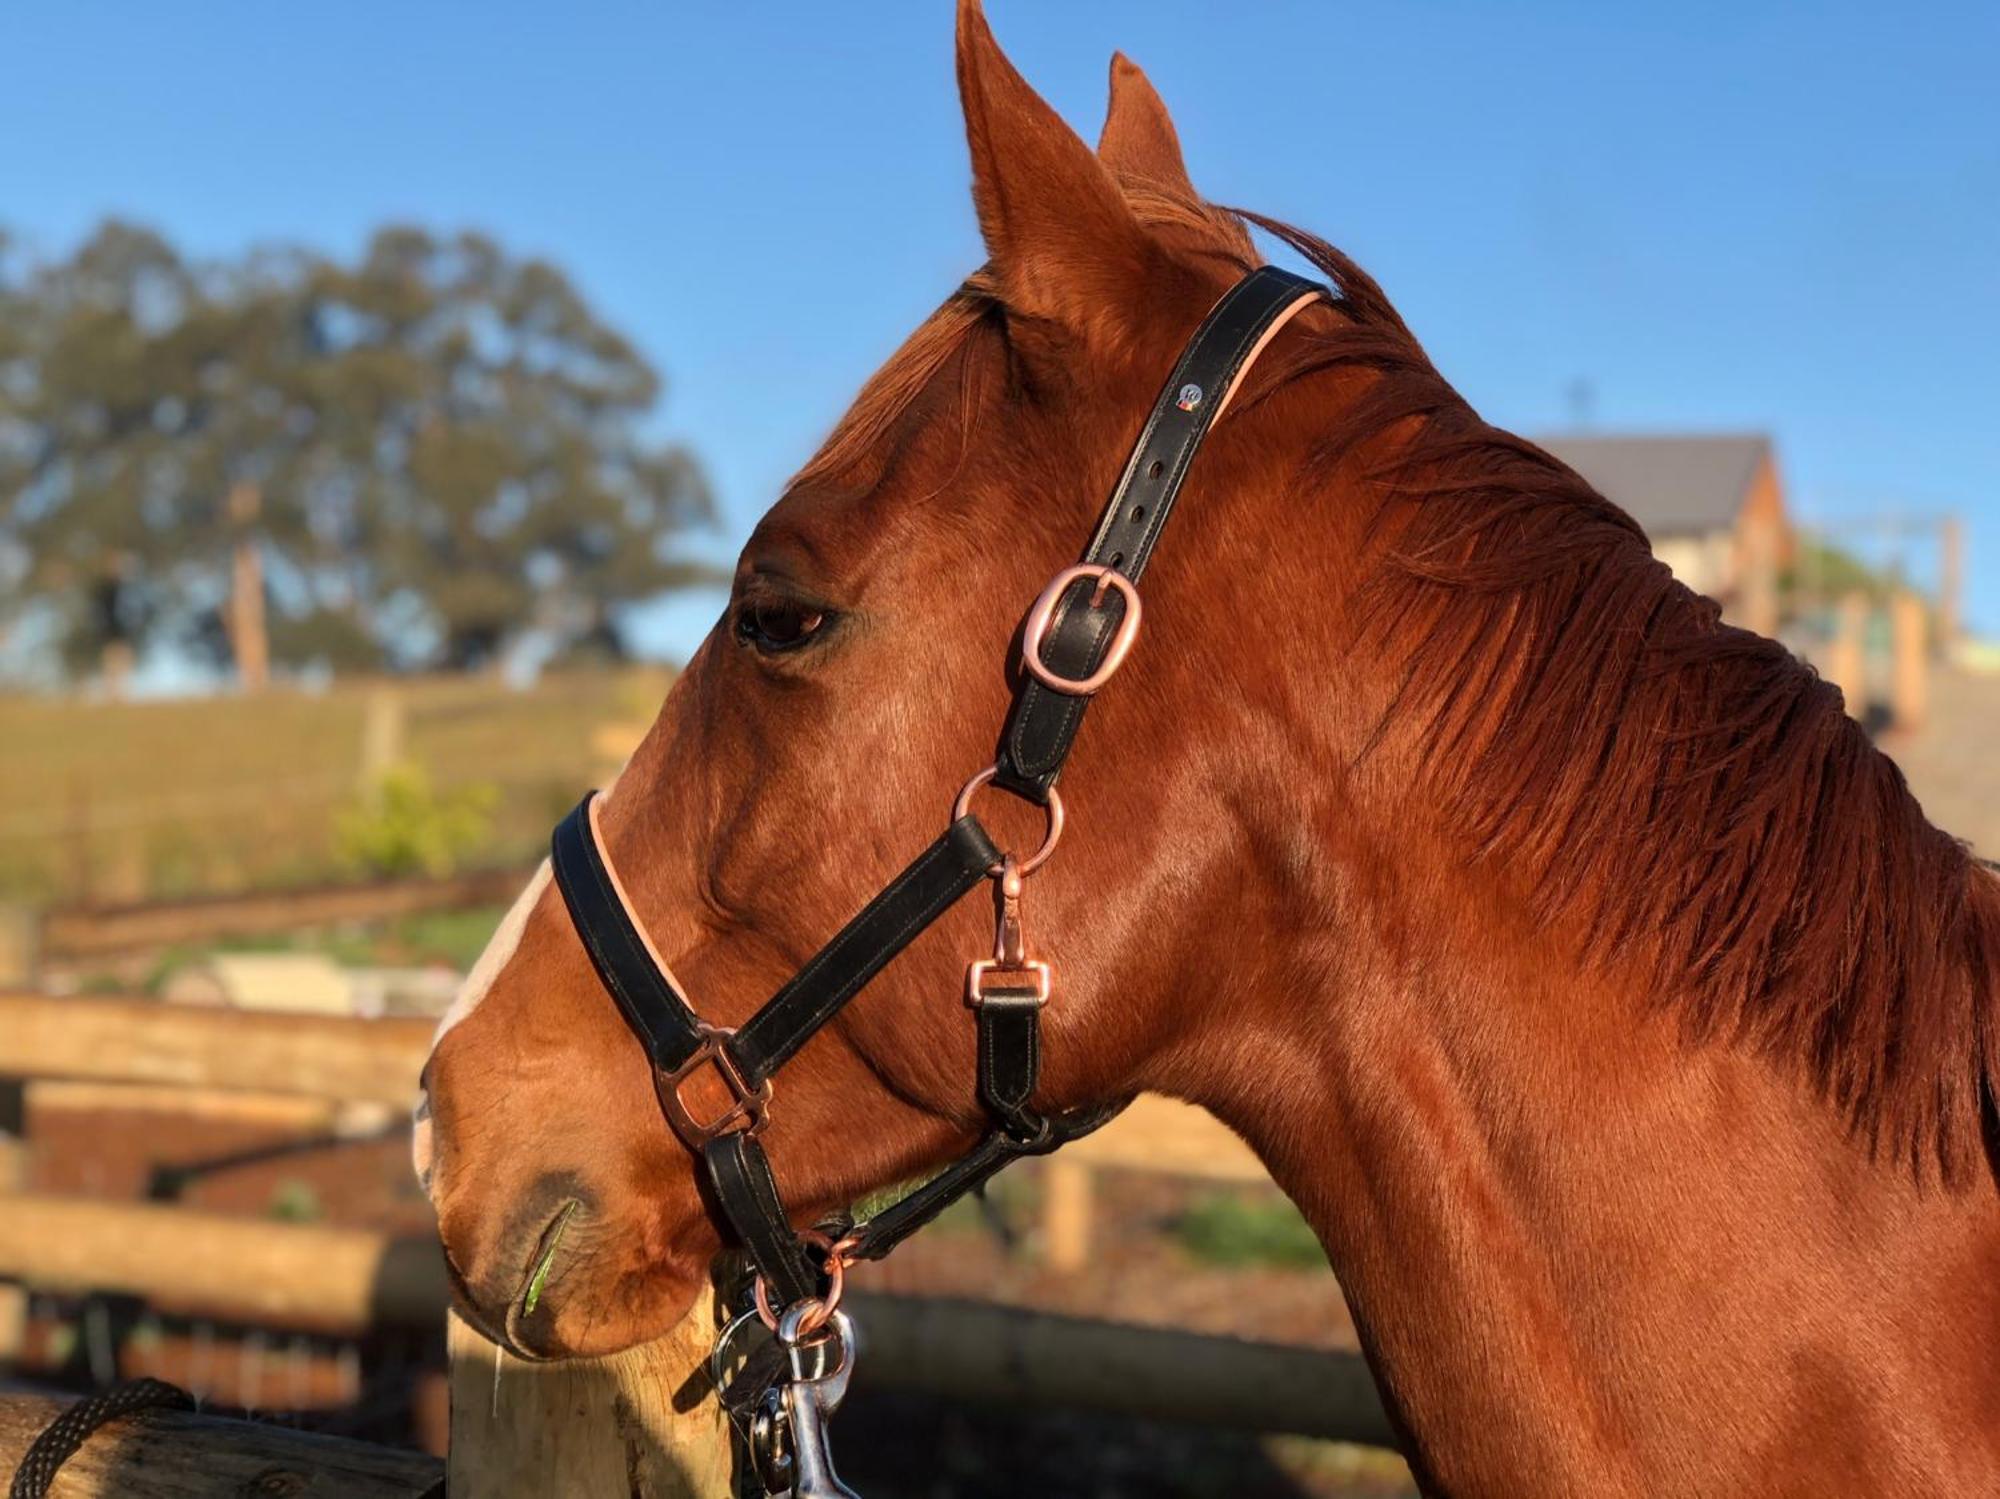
point(434, 450)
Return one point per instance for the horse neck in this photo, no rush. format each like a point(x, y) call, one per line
point(1585, 1256)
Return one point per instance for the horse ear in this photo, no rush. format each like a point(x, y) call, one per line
point(1139, 143)
point(1062, 241)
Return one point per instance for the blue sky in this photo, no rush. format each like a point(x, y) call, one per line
point(1783, 217)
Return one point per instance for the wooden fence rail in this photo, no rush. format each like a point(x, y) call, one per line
point(73, 933)
point(157, 1454)
point(306, 1277)
point(143, 1041)
point(335, 1279)
point(616, 1426)
point(378, 1061)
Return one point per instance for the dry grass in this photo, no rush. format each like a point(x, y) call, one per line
point(124, 801)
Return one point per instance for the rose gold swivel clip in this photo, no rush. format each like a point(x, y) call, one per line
point(1010, 976)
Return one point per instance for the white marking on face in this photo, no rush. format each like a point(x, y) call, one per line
point(499, 952)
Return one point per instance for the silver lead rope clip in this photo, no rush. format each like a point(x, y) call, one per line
point(787, 1431)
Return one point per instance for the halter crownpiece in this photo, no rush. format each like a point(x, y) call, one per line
point(1075, 638)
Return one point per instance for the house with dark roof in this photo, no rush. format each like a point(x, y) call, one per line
point(1711, 505)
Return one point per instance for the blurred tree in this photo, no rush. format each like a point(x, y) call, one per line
point(408, 461)
point(1821, 570)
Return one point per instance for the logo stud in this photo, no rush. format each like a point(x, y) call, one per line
point(1189, 398)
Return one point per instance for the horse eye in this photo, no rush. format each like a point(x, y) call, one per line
point(777, 624)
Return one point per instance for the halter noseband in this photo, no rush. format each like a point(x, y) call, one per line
point(1075, 637)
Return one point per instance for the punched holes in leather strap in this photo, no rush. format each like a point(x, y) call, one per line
point(1044, 722)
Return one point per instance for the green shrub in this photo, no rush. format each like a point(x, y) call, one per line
point(1225, 1228)
point(404, 825)
point(295, 1201)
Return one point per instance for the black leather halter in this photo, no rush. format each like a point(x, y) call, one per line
point(1075, 637)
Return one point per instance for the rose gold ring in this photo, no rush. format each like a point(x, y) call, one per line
point(1053, 810)
point(1044, 610)
point(820, 1307)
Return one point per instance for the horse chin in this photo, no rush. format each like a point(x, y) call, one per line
point(578, 1320)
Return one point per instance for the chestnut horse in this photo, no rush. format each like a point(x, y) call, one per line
point(1575, 963)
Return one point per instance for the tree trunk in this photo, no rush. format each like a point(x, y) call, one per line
point(249, 642)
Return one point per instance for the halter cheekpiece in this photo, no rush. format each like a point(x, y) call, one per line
point(1075, 637)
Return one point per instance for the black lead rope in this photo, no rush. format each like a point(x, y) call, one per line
point(1076, 637)
point(64, 1437)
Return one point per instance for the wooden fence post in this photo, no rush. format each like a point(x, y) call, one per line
point(1951, 582)
point(384, 734)
point(1066, 1214)
point(1909, 696)
point(20, 930)
point(643, 1424)
point(1847, 659)
point(1759, 591)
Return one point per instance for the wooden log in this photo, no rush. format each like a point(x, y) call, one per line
point(643, 1424)
point(138, 1041)
point(308, 1277)
point(979, 1352)
point(184, 1455)
point(274, 1111)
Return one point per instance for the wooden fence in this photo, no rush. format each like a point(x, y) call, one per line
point(626, 1425)
point(75, 934)
point(183, 1453)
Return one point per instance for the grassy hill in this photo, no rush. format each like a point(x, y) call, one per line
point(124, 801)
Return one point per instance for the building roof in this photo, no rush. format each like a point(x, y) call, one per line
point(1673, 486)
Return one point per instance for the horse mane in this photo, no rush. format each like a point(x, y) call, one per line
point(1688, 796)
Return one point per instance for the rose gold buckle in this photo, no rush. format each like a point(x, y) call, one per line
point(1044, 610)
point(748, 1108)
point(1005, 979)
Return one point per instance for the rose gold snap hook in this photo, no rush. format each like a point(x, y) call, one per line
point(1010, 976)
point(1010, 942)
point(1052, 810)
point(1043, 611)
point(820, 1308)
